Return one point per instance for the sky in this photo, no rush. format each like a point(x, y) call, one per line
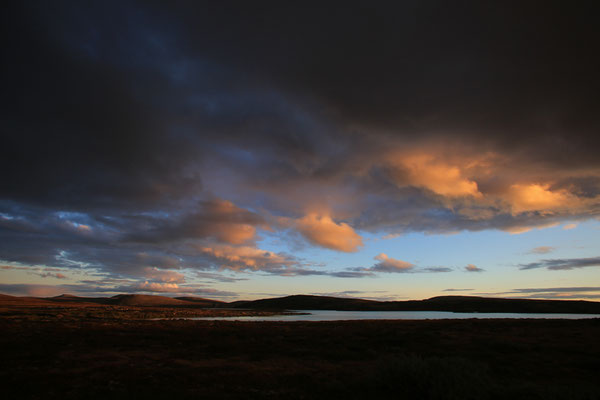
point(242, 150)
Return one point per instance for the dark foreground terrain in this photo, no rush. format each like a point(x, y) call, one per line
point(79, 352)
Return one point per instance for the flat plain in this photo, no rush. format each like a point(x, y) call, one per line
point(72, 350)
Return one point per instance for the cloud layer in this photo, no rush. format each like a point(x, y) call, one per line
point(156, 139)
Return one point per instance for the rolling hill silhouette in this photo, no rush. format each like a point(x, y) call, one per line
point(307, 302)
point(441, 303)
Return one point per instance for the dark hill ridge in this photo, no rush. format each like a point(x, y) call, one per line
point(306, 302)
point(199, 301)
point(69, 298)
point(140, 300)
point(442, 303)
point(144, 300)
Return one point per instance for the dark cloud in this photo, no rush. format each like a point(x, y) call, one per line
point(436, 269)
point(217, 219)
point(137, 133)
point(559, 289)
point(216, 277)
point(563, 263)
point(457, 290)
point(351, 274)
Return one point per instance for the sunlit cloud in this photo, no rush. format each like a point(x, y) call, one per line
point(229, 223)
point(388, 264)
point(473, 268)
point(163, 276)
point(425, 170)
point(322, 231)
point(518, 229)
point(55, 275)
point(215, 219)
point(246, 258)
point(160, 287)
point(537, 197)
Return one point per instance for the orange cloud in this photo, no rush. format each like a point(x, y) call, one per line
point(388, 264)
point(425, 170)
point(245, 257)
point(234, 233)
point(325, 232)
point(56, 275)
point(473, 268)
point(518, 229)
point(159, 287)
point(229, 225)
point(538, 197)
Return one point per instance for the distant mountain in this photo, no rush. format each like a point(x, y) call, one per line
point(146, 300)
point(442, 303)
point(199, 301)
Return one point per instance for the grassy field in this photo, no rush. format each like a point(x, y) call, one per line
point(87, 352)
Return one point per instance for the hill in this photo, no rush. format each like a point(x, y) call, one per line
point(69, 298)
point(22, 301)
point(200, 301)
point(146, 300)
point(442, 303)
point(306, 302)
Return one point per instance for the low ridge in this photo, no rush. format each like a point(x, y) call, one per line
point(145, 300)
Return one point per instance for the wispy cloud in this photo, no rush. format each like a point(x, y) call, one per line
point(551, 293)
point(563, 263)
point(436, 269)
point(542, 250)
point(359, 294)
point(559, 289)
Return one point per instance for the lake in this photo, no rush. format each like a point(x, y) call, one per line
point(329, 315)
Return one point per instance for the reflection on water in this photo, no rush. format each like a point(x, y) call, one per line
point(329, 315)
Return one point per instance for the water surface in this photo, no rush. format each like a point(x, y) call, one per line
point(330, 315)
